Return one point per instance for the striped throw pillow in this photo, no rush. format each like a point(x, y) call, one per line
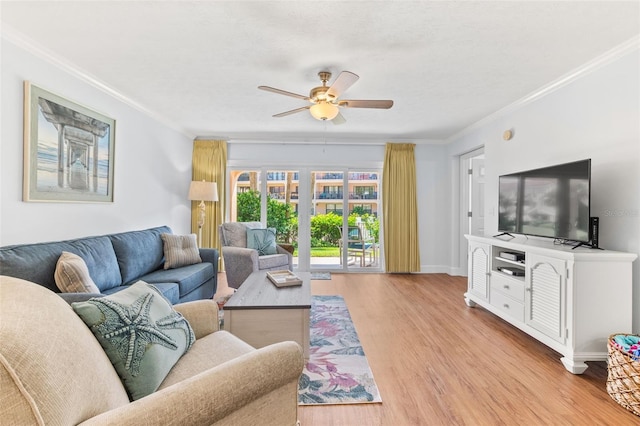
point(180, 250)
point(72, 275)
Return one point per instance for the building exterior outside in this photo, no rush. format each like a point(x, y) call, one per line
point(328, 190)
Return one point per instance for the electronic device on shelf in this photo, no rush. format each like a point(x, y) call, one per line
point(511, 271)
point(512, 255)
point(549, 202)
point(594, 224)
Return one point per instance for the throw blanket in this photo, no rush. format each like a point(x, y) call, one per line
point(628, 344)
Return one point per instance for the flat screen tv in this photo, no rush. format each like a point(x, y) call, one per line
point(549, 202)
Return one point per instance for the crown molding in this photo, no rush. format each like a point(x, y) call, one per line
point(577, 73)
point(335, 140)
point(23, 42)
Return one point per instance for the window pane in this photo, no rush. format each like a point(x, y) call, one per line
point(282, 206)
point(245, 196)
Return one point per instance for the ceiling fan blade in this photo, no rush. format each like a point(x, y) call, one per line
point(283, 92)
point(293, 111)
point(342, 83)
point(383, 104)
point(339, 119)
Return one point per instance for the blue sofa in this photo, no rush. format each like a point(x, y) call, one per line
point(114, 262)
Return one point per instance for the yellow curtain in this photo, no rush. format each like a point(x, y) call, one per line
point(400, 209)
point(210, 164)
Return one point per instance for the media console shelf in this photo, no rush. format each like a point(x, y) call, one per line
point(570, 300)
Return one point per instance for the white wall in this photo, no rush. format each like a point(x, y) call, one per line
point(152, 163)
point(596, 116)
point(432, 174)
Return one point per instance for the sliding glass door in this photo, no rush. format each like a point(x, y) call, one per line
point(344, 220)
point(328, 218)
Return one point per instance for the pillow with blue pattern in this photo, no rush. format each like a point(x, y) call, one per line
point(140, 332)
point(263, 240)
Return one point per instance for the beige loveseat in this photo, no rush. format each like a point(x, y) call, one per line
point(53, 371)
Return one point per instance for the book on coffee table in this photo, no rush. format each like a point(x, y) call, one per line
point(284, 278)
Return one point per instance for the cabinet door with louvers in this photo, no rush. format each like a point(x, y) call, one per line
point(479, 269)
point(545, 296)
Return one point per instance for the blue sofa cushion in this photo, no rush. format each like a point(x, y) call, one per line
point(101, 261)
point(188, 277)
point(139, 252)
point(37, 262)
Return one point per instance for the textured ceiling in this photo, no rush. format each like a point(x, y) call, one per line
point(445, 64)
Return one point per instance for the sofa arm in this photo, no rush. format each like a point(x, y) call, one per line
point(213, 395)
point(202, 316)
point(239, 263)
point(210, 255)
point(241, 254)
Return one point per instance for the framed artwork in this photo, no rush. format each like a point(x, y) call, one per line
point(68, 150)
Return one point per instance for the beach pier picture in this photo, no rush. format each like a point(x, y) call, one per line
point(68, 150)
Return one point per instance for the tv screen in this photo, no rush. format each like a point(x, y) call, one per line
point(548, 202)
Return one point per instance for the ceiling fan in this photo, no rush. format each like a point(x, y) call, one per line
point(325, 104)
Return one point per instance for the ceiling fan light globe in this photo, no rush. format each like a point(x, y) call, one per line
point(324, 111)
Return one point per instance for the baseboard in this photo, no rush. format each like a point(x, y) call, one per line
point(435, 269)
point(458, 272)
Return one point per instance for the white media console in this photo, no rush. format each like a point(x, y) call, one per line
point(569, 299)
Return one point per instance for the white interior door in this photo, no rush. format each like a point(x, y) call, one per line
point(471, 201)
point(477, 196)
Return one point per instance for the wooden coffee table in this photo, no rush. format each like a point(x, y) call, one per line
point(261, 313)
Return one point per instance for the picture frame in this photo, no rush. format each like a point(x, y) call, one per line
point(68, 150)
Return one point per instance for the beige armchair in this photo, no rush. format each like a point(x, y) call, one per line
point(240, 261)
point(53, 371)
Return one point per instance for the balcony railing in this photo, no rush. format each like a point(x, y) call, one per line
point(365, 196)
point(271, 176)
point(340, 211)
point(282, 195)
point(329, 176)
point(363, 176)
point(352, 196)
point(281, 176)
point(351, 176)
point(329, 195)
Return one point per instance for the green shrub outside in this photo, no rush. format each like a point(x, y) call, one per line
point(325, 228)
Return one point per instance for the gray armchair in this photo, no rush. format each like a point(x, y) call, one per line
point(240, 261)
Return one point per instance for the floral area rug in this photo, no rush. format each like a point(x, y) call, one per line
point(337, 371)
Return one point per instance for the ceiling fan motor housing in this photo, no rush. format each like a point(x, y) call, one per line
point(319, 94)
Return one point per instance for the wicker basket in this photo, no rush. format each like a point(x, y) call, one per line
point(623, 380)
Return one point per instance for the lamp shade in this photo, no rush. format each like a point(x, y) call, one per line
point(324, 111)
point(203, 191)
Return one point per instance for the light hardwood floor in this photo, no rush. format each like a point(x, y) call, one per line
point(438, 362)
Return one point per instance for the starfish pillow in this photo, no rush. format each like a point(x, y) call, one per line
point(140, 332)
